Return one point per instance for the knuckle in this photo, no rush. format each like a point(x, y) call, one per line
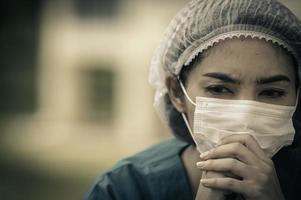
point(249, 137)
point(252, 189)
point(255, 169)
point(269, 162)
point(236, 148)
point(264, 178)
point(208, 163)
point(256, 190)
point(269, 170)
point(248, 140)
point(233, 164)
point(212, 152)
point(230, 183)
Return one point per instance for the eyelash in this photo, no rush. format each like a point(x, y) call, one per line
point(273, 93)
point(222, 90)
point(218, 90)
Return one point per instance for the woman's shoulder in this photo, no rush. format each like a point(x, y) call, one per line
point(167, 150)
point(143, 175)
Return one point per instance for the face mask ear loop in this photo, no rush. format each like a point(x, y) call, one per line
point(184, 91)
point(297, 99)
point(184, 115)
point(189, 129)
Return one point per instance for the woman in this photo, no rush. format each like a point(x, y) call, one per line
point(226, 79)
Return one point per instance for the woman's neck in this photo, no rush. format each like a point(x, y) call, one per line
point(190, 156)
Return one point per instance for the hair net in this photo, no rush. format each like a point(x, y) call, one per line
point(203, 23)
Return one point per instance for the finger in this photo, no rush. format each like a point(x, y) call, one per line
point(247, 140)
point(216, 174)
point(212, 174)
point(226, 165)
point(208, 193)
point(234, 185)
point(232, 150)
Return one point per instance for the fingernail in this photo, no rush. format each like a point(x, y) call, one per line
point(200, 164)
point(218, 144)
point(203, 155)
point(204, 181)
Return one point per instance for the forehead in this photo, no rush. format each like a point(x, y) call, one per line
point(246, 58)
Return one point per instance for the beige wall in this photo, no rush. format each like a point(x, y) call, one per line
point(57, 140)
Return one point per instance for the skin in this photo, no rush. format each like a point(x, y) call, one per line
point(237, 69)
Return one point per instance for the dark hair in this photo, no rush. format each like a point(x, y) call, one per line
point(176, 122)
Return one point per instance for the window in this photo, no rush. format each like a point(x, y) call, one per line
point(96, 8)
point(97, 94)
point(19, 41)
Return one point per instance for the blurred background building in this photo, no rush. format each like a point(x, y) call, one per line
point(74, 89)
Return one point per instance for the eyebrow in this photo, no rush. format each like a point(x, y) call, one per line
point(265, 80)
point(272, 79)
point(223, 77)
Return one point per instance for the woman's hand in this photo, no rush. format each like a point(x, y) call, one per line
point(206, 193)
point(242, 156)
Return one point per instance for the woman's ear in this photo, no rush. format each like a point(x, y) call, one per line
point(175, 93)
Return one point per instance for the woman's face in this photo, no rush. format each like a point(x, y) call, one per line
point(243, 69)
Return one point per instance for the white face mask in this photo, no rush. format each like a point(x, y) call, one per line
point(214, 119)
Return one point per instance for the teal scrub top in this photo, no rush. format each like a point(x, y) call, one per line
point(158, 173)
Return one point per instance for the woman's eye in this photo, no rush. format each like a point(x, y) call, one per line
point(272, 93)
point(218, 89)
